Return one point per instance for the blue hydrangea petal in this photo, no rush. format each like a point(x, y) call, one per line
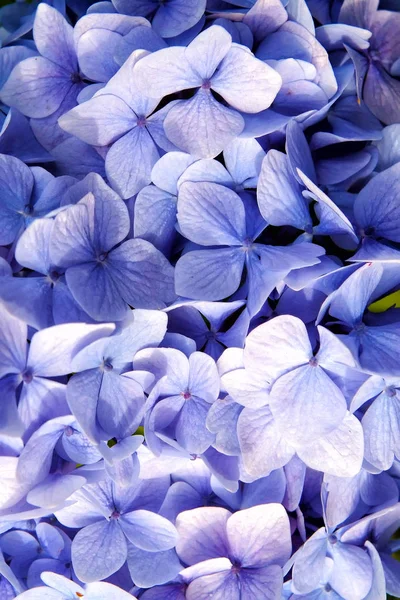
point(129, 176)
point(40, 593)
point(260, 535)
point(13, 347)
point(299, 152)
point(17, 139)
point(16, 188)
point(333, 353)
point(309, 562)
point(191, 431)
point(32, 80)
point(203, 377)
point(106, 591)
point(82, 395)
point(362, 284)
point(135, 7)
point(306, 404)
point(348, 559)
point(77, 447)
point(210, 214)
point(177, 16)
point(52, 349)
point(167, 71)
point(124, 85)
point(149, 569)
point(263, 581)
point(262, 444)
point(279, 195)
point(206, 169)
point(96, 63)
point(32, 250)
point(215, 125)
point(391, 574)
point(246, 83)
point(286, 333)
point(207, 51)
point(168, 169)
point(65, 307)
point(53, 491)
point(54, 37)
point(352, 13)
point(142, 274)
point(381, 93)
point(155, 217)
point(180, 496)
point(98, 551)
point(44, 564)
point(10, 56)
point(99, 121)
point(41, 400)
point(83, 232)
point(202, 534)
point(339, 452)
point(375, 206)
point(83, 511)
point(333, 35)
point(30, 299)
point(120, 406)
point(332, 219)
point(245, 388)
point(209, 274)
point(61, 584)
point(75, 158)
point(141, 37)
point(387, 147)
point(35, 460)
point(243, 159)
point(9, 418)
point(148, 531)
point(381, 425)
point(264, 17)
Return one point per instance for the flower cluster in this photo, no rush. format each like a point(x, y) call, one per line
point(199, 306)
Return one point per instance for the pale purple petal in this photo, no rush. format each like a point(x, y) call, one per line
point(202, 126)
point(98, 551)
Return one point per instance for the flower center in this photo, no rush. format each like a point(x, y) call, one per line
point(367, 232)
point(69, 431)
point(206, 85)
point(27, 376)
point(186, 395)
point(102, 257)
point(107, 365)
point(141, 122)
point(115, 515)
point(390, 391)
point(54, 276)
point(76, 78)
point(247, 244)
point(313, 362)
point(332, 539)
point(236, 567)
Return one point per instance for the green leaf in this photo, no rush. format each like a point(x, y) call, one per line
point(392, 300)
